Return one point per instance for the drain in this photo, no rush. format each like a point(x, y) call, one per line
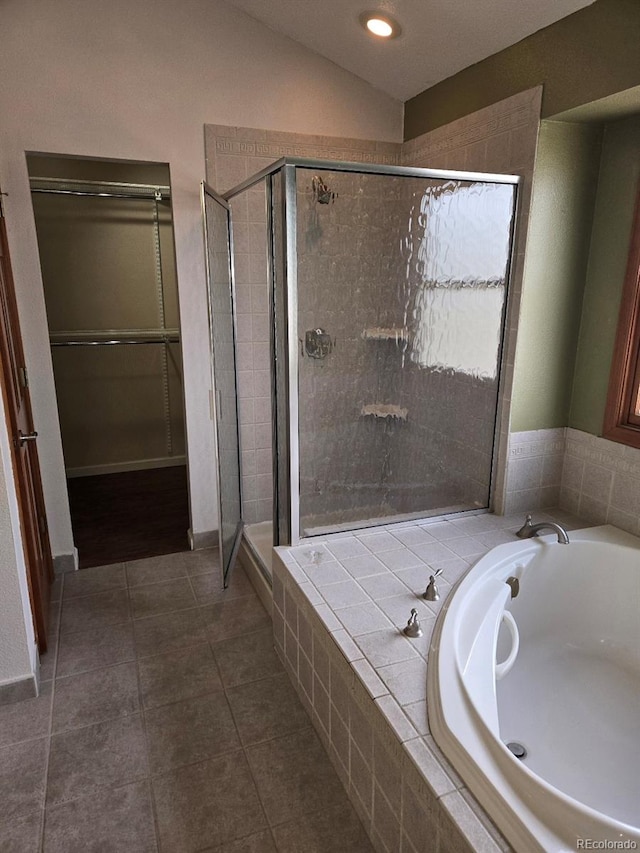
point(517, 749)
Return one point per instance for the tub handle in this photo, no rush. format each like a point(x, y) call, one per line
point(501, 669)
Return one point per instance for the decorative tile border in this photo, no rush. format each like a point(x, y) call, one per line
point(534, 469)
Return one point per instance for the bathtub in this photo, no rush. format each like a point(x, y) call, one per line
point(555, 669)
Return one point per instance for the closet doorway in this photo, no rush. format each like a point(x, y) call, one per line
point(105, 237)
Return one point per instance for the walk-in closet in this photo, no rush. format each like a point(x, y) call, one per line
point(105, 237)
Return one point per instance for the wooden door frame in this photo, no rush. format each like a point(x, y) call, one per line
point(28, 491)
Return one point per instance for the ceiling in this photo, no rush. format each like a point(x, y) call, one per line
point(439, 37)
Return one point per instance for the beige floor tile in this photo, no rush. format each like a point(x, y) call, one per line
point(107, 755)
point(22, 778)
point(91, 581)
point(120, 821)
point(26, 720)
point(189, 732)
point(164, 597)
point(201, 806)
point(169, 632)
point(291, 788)
point(91, 697)
point(82, 651)
point(336, 830)
point(235, 617)
point(22, 835)
point(247, 658)
point(266, 709)
point(94, 612)
point(176, 676)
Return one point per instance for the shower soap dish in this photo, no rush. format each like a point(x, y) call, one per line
point(383, 410)
point(380, 334)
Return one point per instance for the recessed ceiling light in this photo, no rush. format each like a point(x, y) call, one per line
point(381, 25)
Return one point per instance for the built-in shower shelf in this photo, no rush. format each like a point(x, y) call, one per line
point(381, 334)
point(384, 410)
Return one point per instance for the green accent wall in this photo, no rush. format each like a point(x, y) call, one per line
point(562, 203)
point(586, 56)
point(612, 223)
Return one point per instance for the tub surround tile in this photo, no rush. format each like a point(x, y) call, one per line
point(326, 573)
point(381, 648)
point(362, 567)
point(346, 645)
point(383, 586)
point(363, 619)
point(406, 680)
point(379, 543)
point(364, 683)
point(348, 547)
point(344, 594)
point(402, 559)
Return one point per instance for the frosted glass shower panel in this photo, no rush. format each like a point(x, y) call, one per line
point(401, 289)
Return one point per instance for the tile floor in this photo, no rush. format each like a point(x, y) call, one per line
point(166, 723)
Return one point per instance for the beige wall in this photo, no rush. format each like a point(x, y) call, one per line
point(139, 81)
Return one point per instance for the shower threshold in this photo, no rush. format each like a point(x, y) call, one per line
point(259, 537)
point(324, 524)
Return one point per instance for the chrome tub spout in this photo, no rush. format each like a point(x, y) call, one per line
point(528, 530)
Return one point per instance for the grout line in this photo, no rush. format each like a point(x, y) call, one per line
point(51, 707)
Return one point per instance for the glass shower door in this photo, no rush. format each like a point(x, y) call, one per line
point(401, 286)
point(218, 241)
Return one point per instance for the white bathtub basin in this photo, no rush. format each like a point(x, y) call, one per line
point(572, 696)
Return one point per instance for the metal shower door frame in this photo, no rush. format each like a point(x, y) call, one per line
point(206, 190)
point(284, 310)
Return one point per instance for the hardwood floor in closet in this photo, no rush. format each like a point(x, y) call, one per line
point(122, 517)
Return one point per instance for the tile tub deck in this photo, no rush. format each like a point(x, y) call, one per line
point(339, 606)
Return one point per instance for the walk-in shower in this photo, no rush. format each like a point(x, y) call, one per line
point(369, 308)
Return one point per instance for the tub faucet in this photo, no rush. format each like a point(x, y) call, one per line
point(528, 530)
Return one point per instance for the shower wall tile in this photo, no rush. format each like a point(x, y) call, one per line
point(233, 154)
